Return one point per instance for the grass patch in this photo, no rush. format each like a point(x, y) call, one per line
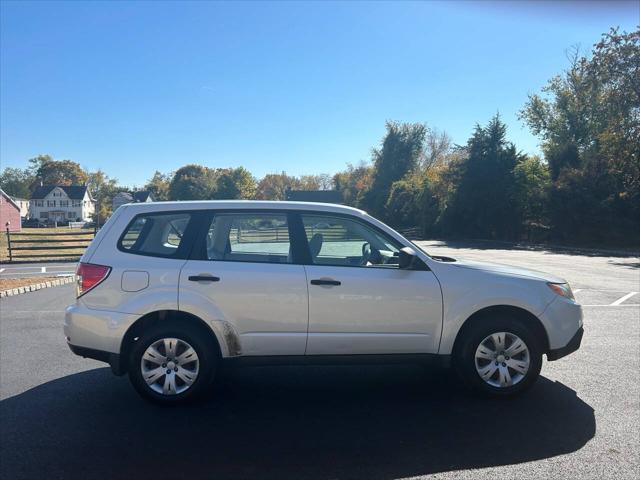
point(9, 283)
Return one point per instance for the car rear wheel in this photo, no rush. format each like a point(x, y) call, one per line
point(499, 356)
point(171, 364)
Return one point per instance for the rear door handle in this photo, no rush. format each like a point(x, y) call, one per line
point(203, 278)
point(324, 281)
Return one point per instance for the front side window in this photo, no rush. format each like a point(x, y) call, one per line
point(51, 203)
point(249, 237)
point(159, 234)
point(344, 242)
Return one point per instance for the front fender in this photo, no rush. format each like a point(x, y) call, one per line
point(462, 301)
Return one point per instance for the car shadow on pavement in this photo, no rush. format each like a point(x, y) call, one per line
point(285, 422)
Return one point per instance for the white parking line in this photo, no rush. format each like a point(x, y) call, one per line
point(624, 305)
point(1, 270)
point(43, 270)
point(577, 290)
point(622, 299)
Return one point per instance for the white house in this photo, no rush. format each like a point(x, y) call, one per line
point(140, 196)
point(62, 203)
point(23, 204)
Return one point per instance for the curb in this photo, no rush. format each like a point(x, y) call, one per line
point(37, 286)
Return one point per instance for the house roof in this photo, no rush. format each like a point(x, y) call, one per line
point(324, 196)
point(142, 196)
point(11, 201)
point(74, 192)
point(125, 195)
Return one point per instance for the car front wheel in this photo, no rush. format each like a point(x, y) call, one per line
point(499, 356)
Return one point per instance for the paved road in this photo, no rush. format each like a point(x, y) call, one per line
point(18, 270)
point(62, 416)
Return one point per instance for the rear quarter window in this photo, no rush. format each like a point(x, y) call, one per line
point(155, 234)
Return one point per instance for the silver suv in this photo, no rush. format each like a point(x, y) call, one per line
point(167, 292)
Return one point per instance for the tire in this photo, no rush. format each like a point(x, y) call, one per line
point(169, 373)
point(490, 358)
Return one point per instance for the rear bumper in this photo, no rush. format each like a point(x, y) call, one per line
point(572, 346)
point(113, 359)
point(96, 329)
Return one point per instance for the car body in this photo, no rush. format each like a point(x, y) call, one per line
point(33, 223)
point(282, 282)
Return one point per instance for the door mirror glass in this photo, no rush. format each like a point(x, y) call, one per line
point(408, 260)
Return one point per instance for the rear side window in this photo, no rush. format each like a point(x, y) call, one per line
point(156, 234)
point(249, 237)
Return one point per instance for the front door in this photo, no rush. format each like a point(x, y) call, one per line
point(360, 302)
point(242, 272)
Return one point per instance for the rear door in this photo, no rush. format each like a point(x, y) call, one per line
point(243, 271)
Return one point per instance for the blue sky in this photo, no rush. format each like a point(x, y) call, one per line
point(301, 87)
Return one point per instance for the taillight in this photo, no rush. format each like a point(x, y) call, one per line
point(89, 276)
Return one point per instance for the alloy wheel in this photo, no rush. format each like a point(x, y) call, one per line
point(169, 366)
point(502, 359)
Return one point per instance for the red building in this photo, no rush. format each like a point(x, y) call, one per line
point(9, 213)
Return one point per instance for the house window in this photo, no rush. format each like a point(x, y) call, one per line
point(51, 203)
point(70, 215)
point(64, 203)
point(44, 214)
point(38, 203)
point(77, 203)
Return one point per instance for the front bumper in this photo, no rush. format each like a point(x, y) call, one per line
point(572, 346)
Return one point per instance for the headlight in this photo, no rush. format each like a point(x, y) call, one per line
point(562, 289)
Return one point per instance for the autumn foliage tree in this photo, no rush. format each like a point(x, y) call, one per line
point(589, 122)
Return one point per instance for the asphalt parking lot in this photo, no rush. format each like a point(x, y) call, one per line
point(62, 416)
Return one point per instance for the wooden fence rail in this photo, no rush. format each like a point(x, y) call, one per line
point(64, 248)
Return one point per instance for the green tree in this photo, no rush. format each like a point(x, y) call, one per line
point(235, 183)
point(193, 182)
point(531, 195)
point(403, 206)
point(589, 124)
point(399, 155)
point(102, 189)
point(353, 182)
point(483, 204)
point(321, 181)
point(274, 186)
point(437, 149)
point(57, 172)
point(158, 185)
point(16, 182)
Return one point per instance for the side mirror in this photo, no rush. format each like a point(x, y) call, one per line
point(406, 258)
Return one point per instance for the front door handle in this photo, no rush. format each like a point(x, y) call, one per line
point(203, 278)
point(325, 281)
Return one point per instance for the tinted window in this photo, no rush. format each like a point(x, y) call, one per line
point(345, 242)
point(158, 234)
point(249, 237)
